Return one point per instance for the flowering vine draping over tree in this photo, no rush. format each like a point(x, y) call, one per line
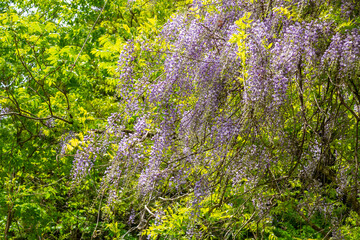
point(236, 111)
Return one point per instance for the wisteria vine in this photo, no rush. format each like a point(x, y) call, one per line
point(256, 96)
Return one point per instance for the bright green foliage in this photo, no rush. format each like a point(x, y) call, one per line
point(58, 62)
point(59, 81)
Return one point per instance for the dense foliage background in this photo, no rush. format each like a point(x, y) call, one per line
point(181, 119)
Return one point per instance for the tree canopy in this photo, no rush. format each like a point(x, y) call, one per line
point(213, 119)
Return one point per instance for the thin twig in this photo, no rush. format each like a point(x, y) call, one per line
point(87, 38)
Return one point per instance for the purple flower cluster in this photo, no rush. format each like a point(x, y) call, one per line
point(344, 52)
point(84, 160)
point(127, 83)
